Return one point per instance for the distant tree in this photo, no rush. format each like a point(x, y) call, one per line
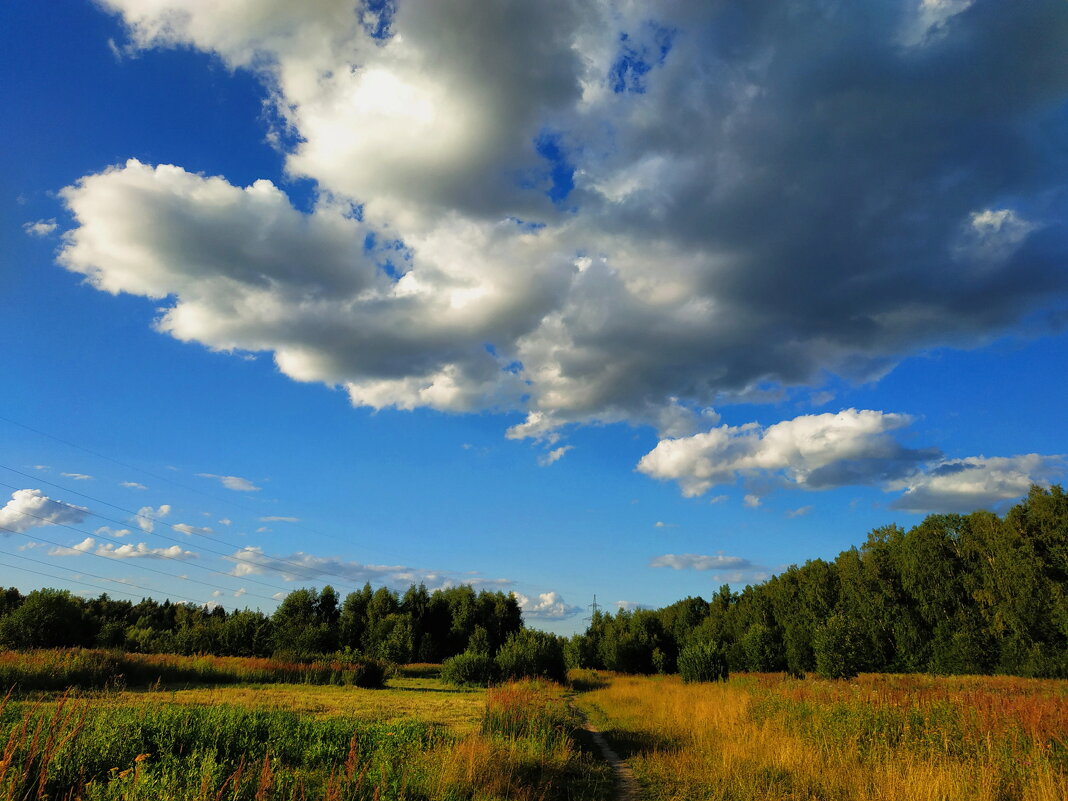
point(47, 618)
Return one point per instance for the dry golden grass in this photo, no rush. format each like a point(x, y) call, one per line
point(879, 738)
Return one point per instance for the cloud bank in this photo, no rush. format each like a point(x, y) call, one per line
point(586, 210)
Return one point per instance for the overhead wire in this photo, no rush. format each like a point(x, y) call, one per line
point(303, 571)
point(121, 559)
point(231, 557)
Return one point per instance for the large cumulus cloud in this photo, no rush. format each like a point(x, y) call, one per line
point(605, 210)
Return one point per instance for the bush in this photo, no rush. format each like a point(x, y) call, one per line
point(703, 661)
point(839, 648)
point(532, 654)
point(469, 668)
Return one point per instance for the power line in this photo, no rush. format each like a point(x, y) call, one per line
point(300, 569)
point(303, 571)
point(93, 575)
point(119, 559)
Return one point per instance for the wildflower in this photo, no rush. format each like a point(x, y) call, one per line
point(141, 757)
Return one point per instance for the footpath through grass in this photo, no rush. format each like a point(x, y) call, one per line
point(768, 737)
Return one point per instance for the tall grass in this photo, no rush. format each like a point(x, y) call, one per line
point(879, 737)
point(61, 669)
point(73, 749)
point(153, 750)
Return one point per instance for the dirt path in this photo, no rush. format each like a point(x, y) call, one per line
point(626, 784)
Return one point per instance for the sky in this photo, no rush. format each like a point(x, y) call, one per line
point(576, 299)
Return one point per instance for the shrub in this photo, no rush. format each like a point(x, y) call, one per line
point(469, 668)
point(704, 660)
point(532, 654)
point(839, 649)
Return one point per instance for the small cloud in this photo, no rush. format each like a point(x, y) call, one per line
point(107, 531)
point(217, 594)
point(77, 476)
point(41, 467)
point(662, 524)
point(629, 606)
point(187, 529)
point(146, 517)
point(279, 519)
point(226, 521)
point(547, 606)
point(801, 511)
point(554, 455)
point(40, 227)
point(262, 530)
point(240, 592)
point(132, 485)
point(722, 567)
point(719, 499)
point(752, 501)
point(821, 398)
point(278, 596)
point(235, 483)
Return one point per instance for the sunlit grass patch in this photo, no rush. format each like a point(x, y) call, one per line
point(911, 737)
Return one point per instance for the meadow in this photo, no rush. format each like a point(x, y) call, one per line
point(416, 738)
point(194, 729)
point(773, 738)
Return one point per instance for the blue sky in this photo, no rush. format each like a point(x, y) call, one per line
point(562, 301)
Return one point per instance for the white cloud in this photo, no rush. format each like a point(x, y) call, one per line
point(85, 546)
point(800, 511)
point(719, 499)
point(629, 606)
point(107, 531)
point(752, 501)
point(811, 451)
point(127, 551)
point(547, 606)
point(41, 467)
point(279, 519)
point(40, 227)
point(132, 485)
point(77, 476)
point(233, 482)
point(226, 521)
point(146, 517)
point(977, 482)
point(722, 568)
point(31, 508)
point(301, 566)
point(676, 272)
point(554, 455)
point(188, 530)
point(239, 592)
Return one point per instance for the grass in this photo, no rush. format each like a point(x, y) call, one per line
point(417, 739)
point(878, 737)
point(60, 669)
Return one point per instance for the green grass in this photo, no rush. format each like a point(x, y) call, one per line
point(417, 739)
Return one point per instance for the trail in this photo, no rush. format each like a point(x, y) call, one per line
point(626, 784)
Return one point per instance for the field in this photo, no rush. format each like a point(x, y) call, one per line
point(770, 737)
point(415, 739)
point(757, 736)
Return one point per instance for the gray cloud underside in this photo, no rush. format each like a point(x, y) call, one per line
point(780, 189)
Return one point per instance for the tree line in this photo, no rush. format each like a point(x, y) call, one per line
point(416, 626)
point(956, 594)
